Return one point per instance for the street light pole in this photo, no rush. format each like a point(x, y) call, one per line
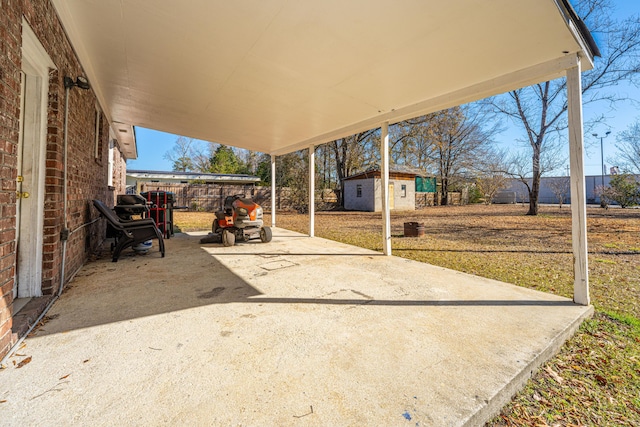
point(602, 171)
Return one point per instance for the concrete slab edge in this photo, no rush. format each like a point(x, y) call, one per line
point(517, 383)
point(30, 316)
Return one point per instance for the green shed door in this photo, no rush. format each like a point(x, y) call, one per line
point(425, 184)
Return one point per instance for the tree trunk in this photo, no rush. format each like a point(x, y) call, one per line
point(533, 194)
point(444, 200)
point(534, 190)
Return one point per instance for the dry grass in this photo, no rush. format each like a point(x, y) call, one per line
point(595, 380)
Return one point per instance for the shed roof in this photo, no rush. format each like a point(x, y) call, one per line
point(394, 170)
point(276, 76)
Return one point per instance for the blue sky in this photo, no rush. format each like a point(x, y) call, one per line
point(152, 145)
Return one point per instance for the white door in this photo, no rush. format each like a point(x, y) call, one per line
point(19, 181)
point(36, 65)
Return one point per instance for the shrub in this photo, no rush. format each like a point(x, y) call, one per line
point(475, 195)
point(623, 189)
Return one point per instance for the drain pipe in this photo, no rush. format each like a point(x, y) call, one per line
point(64, 233)
point(82, 83)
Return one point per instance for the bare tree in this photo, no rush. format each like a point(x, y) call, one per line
point(352, 154)
point(411, 143)
point(490, 174)
point(541, 109)
point(180, 155)
point(326, 167)
point(201, 155)
point(628, 145)
point(459, 138)
point(519, 166)
point(559, 186)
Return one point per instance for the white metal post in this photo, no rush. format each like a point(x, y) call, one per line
point(578, 199)
point(384, 187)
point(312, 190)
point(273, 190)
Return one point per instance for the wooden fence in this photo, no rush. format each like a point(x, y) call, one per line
point(210, 197)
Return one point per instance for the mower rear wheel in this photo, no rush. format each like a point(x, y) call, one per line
point(265, 234)
point(228, 238)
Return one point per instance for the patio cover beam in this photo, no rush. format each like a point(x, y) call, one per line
point(273, 190)
point(312, 190)
point(578, 200)
point(384, 187)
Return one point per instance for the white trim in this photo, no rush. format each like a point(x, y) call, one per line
point(273, 190)
point(384, 188)
point(97, 143)
point(38, 61)
point(112, 143)
point(578, 202)
point(312, 190)
point(36, 64)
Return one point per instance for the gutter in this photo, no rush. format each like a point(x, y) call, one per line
point(582, 31)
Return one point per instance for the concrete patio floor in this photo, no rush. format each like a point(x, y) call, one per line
point(301, 331)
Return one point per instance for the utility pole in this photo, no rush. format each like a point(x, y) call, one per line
point(602, 171)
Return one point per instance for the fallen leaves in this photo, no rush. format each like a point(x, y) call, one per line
point(586, 384)
point(554, 375)
point(23, 362)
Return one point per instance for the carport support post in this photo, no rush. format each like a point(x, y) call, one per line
point(578, 204)
point(312, 190)
point(384, 187)
point(273, 190)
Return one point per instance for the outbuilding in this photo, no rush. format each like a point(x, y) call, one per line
point(362, 191)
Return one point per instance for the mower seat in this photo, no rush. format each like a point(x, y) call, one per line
point(129, 233)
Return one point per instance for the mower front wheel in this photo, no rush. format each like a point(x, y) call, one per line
point(228, 238)
point(265, 234)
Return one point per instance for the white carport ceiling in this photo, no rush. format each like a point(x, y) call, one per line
point(276, 75)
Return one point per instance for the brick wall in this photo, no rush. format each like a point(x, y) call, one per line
point(10, 65)
point(119, 173)
point(87, 173)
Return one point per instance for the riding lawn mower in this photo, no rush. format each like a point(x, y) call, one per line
point(240, 220)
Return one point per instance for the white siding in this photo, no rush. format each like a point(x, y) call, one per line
point(371, 199)
point(367, 201)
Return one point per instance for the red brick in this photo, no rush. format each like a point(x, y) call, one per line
point(5, 338)
point(87, 178)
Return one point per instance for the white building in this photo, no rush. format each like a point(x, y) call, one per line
point(516, 191)
point(362, 191)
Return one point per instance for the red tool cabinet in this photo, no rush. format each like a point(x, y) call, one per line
point(161, 210)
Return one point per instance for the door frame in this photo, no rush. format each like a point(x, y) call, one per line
point(36, 65)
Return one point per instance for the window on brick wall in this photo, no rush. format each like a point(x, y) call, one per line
point(358, 190)
point(97, 153)
point(403, 191)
